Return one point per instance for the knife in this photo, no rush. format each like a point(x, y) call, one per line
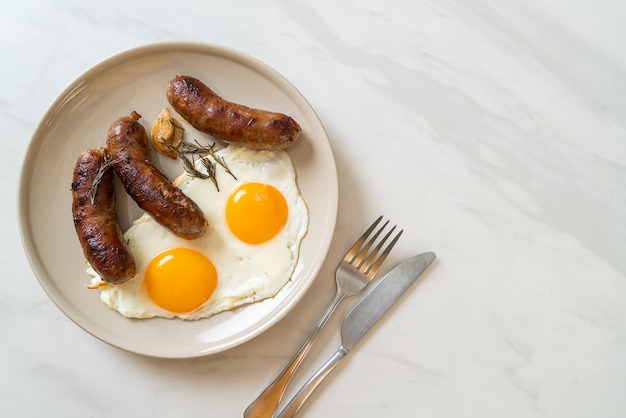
point(361, 318)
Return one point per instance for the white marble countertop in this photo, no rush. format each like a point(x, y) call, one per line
point(493, 132)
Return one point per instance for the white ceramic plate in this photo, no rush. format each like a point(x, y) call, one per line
point(79, 118)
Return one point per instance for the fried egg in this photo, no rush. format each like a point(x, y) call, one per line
point(256, 225)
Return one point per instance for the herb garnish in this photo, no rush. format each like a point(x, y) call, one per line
point(108, 162)
point(205, 152)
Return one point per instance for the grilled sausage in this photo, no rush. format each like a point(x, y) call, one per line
point(95, 219)
point(227, 121)
point(127, 144)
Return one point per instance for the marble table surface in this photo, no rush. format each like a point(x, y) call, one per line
point(493, 132)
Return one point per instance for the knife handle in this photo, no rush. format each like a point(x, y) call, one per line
point(307, 389)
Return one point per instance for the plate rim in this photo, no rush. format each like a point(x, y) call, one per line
point(26, 234)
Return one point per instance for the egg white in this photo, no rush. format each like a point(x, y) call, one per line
point(246, 272)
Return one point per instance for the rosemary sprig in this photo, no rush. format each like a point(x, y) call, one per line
point(189, 163)
point(206, 151)
point(196, 148)
point(210, 169)
point(108, 162)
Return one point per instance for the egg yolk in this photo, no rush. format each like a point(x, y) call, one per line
point(180, 280)
point(256, 212)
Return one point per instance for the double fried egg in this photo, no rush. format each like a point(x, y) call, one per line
point(256, 224)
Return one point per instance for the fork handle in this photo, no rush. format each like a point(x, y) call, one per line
point(265, 404)
point(303, 394)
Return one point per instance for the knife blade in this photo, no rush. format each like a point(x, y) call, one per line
point(380, 297)
point(365, 313)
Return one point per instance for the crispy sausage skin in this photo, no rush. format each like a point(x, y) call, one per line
point(127, 144)
point(95, 219)
point(227, 121)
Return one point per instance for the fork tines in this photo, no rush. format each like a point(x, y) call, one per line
point(360, 253)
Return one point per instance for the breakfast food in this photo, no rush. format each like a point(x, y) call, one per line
point(227, 121)
point(211, 240)
point(127, 145)
point(166, 134)
point(95, 219)
point(256, 224)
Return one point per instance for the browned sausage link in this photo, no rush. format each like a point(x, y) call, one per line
point(95, 219)
point(127, 143)
point(231, 122)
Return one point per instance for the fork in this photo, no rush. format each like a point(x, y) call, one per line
point(354, 273)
